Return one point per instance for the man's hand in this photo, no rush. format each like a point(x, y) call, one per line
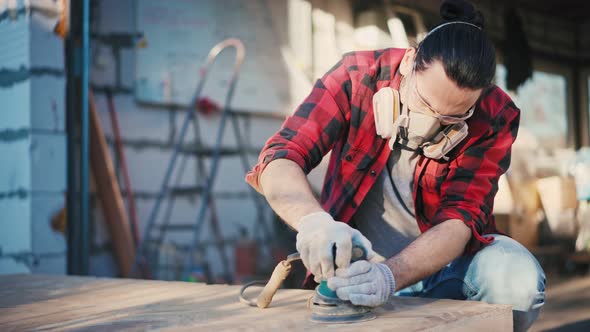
point(318, 233)
point(364, 283)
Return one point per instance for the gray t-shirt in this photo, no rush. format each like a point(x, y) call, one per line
point(382, 217)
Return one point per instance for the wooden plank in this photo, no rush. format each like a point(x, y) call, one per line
point(59, 303)
point(109, 194)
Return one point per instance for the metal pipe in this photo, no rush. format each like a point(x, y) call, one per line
point(85, 172)
point(77, 48)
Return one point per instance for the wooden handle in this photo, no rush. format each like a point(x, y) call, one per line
point(279, 274)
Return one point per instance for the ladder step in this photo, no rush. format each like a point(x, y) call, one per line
point(186, 190)
point(208, 152)
point(176, 227)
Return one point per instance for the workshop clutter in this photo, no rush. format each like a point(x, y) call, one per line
point(518, 211)
point(581, 172)
point(545, 191)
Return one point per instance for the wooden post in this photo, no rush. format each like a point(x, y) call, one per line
point(109, 194)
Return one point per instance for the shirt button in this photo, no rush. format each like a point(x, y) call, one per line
point(373, 173)
point(348, 158)
point(353, 205)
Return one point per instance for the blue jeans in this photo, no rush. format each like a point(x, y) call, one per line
point(503, 272)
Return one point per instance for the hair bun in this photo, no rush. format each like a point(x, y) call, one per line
point(460, 10)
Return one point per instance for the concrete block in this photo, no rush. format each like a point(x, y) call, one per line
point(44, 207)
point(15, 223)
point(261, 129)
point(15, 165)
point(103, 67)
point(208, 126)
point(15, 41)
point(48, 162)
point(147, 168)
point(184, 237)
point(9, 266)
point(47, 48)
point(127, 73)
point(103, 265)
point(100, 101)
point(143, 207)
point(16, 105)
point(236, 213)
point(232, 215)
point(52, 264)
point(135, 122)
point(116, 16)
point(48, 103)
point(184, 211)
point(231, 174)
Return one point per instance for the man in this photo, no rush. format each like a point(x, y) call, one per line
point(423, 200)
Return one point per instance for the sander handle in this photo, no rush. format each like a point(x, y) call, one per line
point(279, 274)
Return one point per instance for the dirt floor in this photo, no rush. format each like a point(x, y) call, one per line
point(567, 305)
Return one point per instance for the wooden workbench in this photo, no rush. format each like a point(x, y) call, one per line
point(60, 303)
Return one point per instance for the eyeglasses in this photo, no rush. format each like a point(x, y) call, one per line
point(424, 107)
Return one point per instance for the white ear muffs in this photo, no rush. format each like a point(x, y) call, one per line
point(386, 111)
point(400, 128)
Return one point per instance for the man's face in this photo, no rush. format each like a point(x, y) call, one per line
point(431, 91)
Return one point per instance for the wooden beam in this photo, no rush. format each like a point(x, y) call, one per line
point(109, 194)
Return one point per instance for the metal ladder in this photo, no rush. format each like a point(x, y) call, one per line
point(155, 232)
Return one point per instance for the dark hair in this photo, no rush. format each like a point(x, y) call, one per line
point(467, 54)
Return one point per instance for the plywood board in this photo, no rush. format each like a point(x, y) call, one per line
point(58, 303)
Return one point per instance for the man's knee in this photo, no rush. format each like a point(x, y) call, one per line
point(506, 273)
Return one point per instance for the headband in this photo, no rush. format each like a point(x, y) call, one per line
point(449, 23)
point(442, 25)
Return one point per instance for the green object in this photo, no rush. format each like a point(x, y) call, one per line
point(358, 253)
point(327, 308)
point(326, 291)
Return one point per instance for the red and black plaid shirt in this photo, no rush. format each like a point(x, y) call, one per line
point(338, 115)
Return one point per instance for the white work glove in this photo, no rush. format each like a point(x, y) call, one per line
point(317, 234)
point(364, 283)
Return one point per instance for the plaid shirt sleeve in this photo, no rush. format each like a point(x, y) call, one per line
point(472, 182)
point(312, 130)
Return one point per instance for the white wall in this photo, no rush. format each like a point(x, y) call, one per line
point(147, 132)
point(32, 139)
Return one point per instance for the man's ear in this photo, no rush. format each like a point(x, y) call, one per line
point(405, 67)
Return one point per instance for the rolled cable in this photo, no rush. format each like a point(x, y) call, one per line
point(279, 275)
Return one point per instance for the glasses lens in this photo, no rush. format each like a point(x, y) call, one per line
point(418, 104)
